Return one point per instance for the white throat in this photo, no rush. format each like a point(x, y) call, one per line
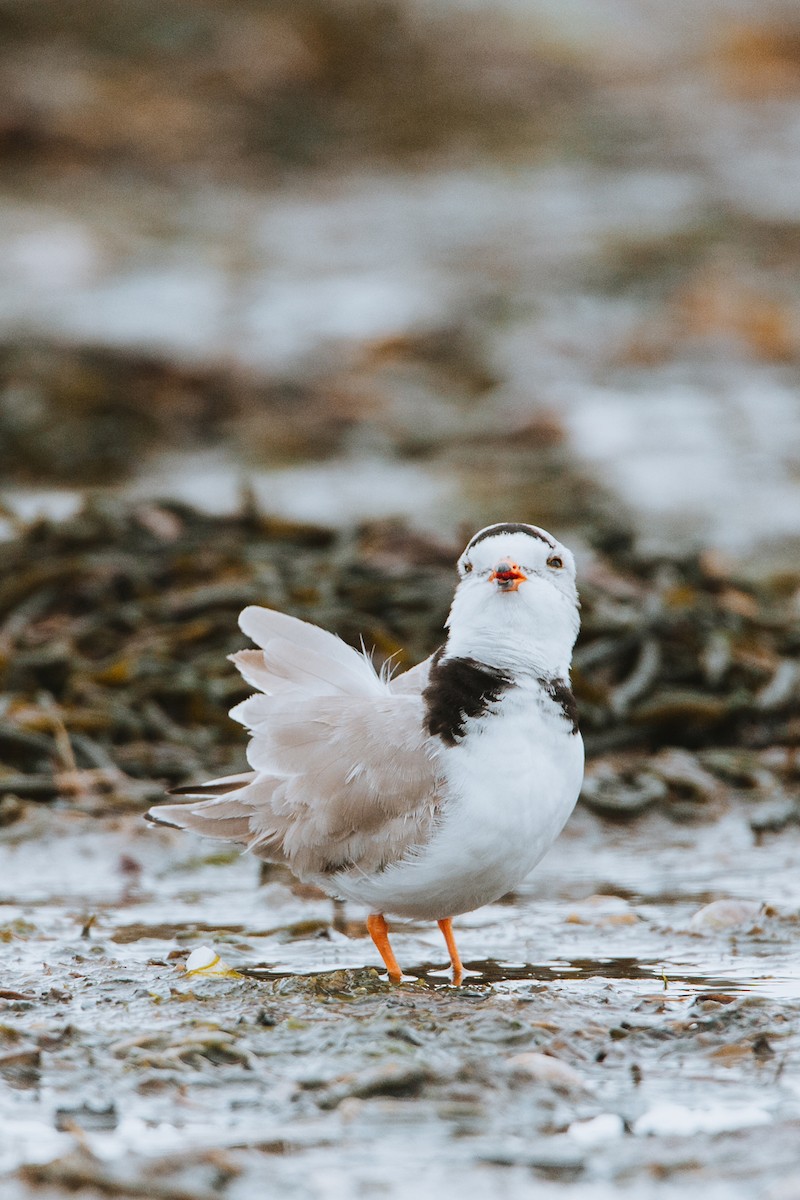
point(530, 631)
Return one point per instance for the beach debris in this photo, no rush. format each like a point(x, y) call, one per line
point(206, 961)
point(621, 789)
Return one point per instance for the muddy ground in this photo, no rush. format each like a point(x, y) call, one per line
point(614, 1035)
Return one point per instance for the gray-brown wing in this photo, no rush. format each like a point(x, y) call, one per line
point(339, 781)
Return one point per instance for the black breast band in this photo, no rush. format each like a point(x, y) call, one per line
point(460, 688)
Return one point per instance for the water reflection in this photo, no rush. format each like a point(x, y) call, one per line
point(489, 972)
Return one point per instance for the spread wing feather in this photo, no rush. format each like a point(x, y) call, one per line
point(326, 656)
point(413, 681)
point(344, 773)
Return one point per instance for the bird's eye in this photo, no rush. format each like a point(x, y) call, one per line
point(467, 568)
point(555, 562)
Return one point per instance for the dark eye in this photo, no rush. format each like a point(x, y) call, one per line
point(467, 568)
point(555, 562)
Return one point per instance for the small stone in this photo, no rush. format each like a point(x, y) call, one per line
point(22, 1068)
point(543, 1068)
point(602, 910)
point(389, 1079)
point(727, 914)
point(732, 1054)
point(603, 1128)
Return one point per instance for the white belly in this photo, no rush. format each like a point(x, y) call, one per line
point(511, 785)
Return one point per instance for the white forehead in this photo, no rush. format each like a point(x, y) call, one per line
point(527, 544)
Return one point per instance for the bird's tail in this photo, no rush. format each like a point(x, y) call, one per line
point(213, 809)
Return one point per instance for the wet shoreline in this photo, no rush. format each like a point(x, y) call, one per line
point(675, 1046)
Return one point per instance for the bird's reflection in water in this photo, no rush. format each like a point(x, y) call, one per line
point(490, 971)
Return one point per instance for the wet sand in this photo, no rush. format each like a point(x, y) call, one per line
point(614, 1033)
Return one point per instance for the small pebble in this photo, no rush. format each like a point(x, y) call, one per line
point(727, 914)
point(545, 1069)
point(603, 1128)
point(602, 910)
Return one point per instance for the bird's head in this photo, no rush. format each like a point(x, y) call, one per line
point(516, 604)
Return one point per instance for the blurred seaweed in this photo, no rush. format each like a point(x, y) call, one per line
point(262, 87)
point(115, 626)
point(96, 414)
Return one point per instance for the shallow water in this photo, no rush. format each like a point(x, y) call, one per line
point(313, 1075)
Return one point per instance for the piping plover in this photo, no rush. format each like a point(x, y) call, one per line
point(426, 794)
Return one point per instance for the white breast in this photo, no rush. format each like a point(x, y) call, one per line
point(511, 783)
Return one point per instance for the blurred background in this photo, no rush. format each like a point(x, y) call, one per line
point(455, 261)
point(297, 294)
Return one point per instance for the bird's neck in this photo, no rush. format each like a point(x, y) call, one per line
point(513, 637)
point(537, 657)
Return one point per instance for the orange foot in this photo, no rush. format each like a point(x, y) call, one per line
point(446, 926)
point(379, 932)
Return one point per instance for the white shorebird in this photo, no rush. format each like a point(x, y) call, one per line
point(423, 795)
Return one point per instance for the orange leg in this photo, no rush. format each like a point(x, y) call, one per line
point(379, 932)
point(446, 927)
